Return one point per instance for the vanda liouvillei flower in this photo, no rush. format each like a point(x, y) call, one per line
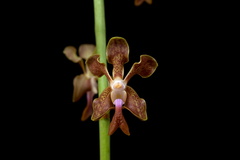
point(85, 83)
point(118, 95)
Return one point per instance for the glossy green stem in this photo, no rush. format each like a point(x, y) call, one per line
point(100, 36)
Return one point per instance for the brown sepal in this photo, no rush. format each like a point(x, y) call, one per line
point(117, 54)
point(102, 105)
point(135, 104)
point(81, 84)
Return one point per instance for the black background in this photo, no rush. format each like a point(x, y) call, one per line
point(176, 35)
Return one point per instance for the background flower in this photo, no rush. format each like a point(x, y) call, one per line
point(139, 2)
point(84, 83)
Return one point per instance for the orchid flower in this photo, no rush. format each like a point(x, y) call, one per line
point(139, 2)
point(85, 83)
point(118, 95)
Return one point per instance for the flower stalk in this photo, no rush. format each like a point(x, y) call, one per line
point(100, 36)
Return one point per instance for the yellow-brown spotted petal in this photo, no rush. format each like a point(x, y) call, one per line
point(81, 84)
point(144, 68)
point(71, 53)
point(117, 54)
point(135, 104)
point(102, 104)
point(96, 68)
point(86, 50)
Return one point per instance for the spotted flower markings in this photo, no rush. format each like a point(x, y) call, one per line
point(119, 95)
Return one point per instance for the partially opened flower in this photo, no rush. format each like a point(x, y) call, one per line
point(119, 95)
point(85, 83)
point(139, 2)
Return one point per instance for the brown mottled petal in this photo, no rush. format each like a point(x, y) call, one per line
point(144, 68)
point(96, 68)
point(87, 112)
point(71, 53)
point(86, 50)
point(102, 104)
point(81, 84)
point(117, 54)
point(135, 104)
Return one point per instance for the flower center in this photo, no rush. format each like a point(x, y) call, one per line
point(118, 84)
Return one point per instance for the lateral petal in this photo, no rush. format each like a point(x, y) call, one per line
point(145, 67)
point(96, 68)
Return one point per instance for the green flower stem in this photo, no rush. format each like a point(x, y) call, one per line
point(100, 35)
